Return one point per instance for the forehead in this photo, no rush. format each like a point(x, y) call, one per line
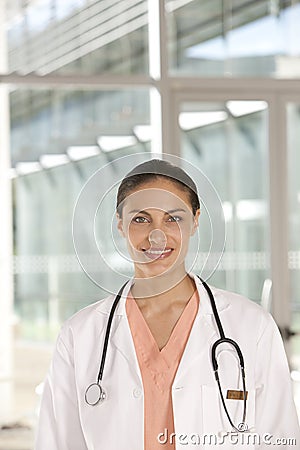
point(161, 194)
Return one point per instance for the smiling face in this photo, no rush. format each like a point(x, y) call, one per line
point(157, 222)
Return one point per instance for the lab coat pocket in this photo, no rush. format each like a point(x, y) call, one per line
point(216, 423)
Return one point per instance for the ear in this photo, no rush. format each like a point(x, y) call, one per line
point(120, 225)
point(196, 222)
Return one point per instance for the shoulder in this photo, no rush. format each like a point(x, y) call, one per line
point(246, 312)
point(228, 301)
point(237, 300)
point(88, 321)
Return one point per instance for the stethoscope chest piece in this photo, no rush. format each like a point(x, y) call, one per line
point(94, 394)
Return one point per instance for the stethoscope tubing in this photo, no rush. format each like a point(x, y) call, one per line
point(223, 339)
point(107, 332)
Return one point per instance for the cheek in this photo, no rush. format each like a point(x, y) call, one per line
point(134, 234)
point(184, 235)
point(183, 231)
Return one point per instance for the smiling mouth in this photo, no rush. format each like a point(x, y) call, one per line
point(158, 253)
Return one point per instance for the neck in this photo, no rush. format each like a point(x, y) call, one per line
point(163, 290)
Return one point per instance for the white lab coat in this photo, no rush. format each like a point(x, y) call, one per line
point(67, 423)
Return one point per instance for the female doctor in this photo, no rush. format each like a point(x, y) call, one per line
point(175, 370)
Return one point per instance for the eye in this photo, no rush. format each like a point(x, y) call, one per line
point(140, 219)
point(174, 219)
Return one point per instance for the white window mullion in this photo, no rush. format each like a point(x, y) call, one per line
point(6, 247)
point(160, 97)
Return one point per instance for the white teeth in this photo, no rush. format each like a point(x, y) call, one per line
point(158, 252)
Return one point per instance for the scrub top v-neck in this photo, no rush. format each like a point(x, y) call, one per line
point(158, 369)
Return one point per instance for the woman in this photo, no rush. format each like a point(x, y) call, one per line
point(160, 390)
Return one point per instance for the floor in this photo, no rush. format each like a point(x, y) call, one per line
point(16, 439)
point(31, 363)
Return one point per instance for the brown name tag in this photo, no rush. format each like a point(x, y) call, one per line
point(236, 395)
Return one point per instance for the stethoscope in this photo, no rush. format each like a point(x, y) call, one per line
point(95, 393)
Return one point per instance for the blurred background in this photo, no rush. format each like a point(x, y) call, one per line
point(83, 82)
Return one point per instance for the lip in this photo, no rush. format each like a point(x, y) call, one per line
point(158, 253)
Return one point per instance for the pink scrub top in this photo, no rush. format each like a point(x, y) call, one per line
point(158, 369)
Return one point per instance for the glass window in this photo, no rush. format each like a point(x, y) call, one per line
point(67, 7)
point(234, 38)
point(59, 138)
point(293, 121)
point(293, 114)
point(49, 121)
point(38, 16)
point(81, 37)
point(228, 142)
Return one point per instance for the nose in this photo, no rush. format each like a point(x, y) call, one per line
point(157, 237)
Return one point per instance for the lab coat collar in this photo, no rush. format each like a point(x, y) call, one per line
point(222, 302)
point(122, 340)
point(203, 333)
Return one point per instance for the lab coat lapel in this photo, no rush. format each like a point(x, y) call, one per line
point(197, 348)
point(121, 337)
point(120, 334)
point(203, 334)
point(123, 342)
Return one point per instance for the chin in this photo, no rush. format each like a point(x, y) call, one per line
point(149, 270)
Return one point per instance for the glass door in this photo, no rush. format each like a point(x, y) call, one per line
point(249, 150)
point(293, 139)
point(228, 142)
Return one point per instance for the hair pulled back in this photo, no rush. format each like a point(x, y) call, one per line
point(152, 170)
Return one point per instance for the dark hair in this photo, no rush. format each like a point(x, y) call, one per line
point(155, 169)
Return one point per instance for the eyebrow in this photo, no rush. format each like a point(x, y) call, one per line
point(171, 211)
